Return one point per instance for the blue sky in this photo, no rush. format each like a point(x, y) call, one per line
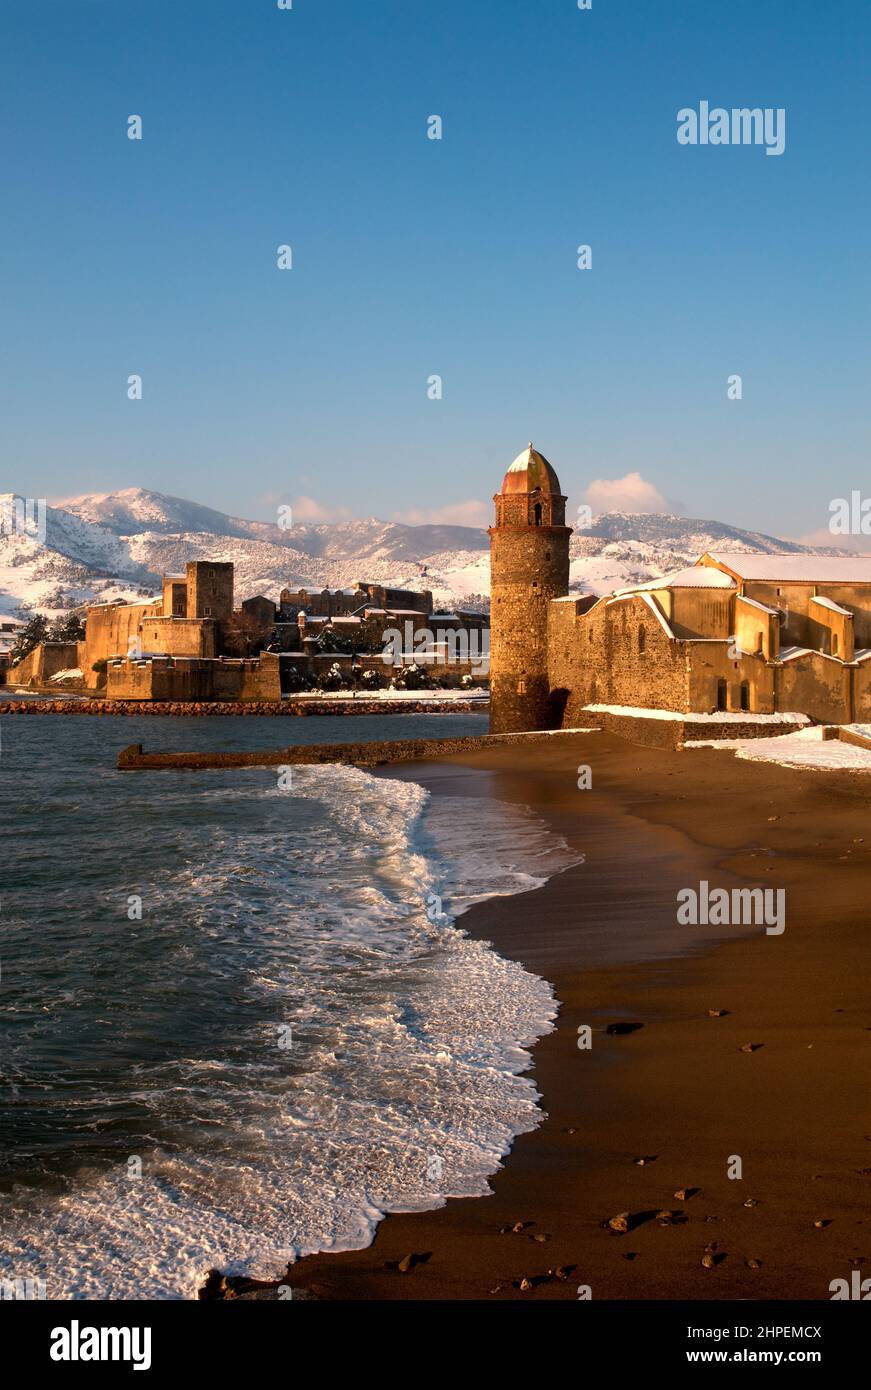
point(415, 257)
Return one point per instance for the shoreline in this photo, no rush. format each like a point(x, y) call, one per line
point(678, 1092)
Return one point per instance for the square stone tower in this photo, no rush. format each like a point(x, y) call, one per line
point(210, 589)
point(529, 566)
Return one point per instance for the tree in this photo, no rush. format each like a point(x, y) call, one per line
point(244, 635)
point(30, 636)
point(68, 629)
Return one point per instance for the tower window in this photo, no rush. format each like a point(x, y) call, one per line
point(538, 513)
point(642, 639)
point(521, 686)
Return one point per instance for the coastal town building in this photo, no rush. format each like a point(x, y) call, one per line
point(763, 634)
point(329, 603)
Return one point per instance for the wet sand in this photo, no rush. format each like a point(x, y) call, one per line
point(678, 1091)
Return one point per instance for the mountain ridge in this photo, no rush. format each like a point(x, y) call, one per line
point(105, 546)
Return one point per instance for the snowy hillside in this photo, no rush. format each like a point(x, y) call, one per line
point(117, 545)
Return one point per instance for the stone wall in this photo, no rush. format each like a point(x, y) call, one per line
point(110, 629)
point(817, 686)
point(179, 636)
point(310, 707)
point(617, 654)
point(188, 678)
point(709, 663)
point(38, 667)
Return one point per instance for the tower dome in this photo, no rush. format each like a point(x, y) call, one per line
point(531, 472)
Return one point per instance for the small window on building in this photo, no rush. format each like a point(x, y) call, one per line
point(538, 513)
point(521, 686)
point(834, 644)
point(642, 639)
point(721, 693)
point(745, 695)
point(207, 612)
point(760, 642)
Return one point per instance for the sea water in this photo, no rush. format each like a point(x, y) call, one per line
point(239, 1022)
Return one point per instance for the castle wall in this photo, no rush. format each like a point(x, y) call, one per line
point(38, 667)
point(109, 630)
point(160, 678)
point(178, 636)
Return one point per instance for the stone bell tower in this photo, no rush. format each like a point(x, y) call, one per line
point(529, 566)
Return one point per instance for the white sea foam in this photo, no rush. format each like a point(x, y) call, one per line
point(402, 1086)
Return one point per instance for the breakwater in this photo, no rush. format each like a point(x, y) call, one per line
point(133, 758)
point(186, 709)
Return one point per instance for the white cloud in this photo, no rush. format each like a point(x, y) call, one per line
point(469, 513)
point(631, 493)
point(308, 509)
point(824, 539)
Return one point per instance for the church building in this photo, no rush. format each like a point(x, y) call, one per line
point(756, 633)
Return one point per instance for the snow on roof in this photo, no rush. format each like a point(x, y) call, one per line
point(651, 604)
point(807, 569)
point(830, 603)
point(754, 603)
point(691, 577)
point(790, 653)
point(862, 654)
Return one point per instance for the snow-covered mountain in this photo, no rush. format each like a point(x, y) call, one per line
point(117, 545)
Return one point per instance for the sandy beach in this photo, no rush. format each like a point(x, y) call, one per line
point(678, 1092)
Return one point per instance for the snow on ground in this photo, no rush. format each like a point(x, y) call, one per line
point(806, 748)
point(475, 694)
point(72, 673)
point(718, 717)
